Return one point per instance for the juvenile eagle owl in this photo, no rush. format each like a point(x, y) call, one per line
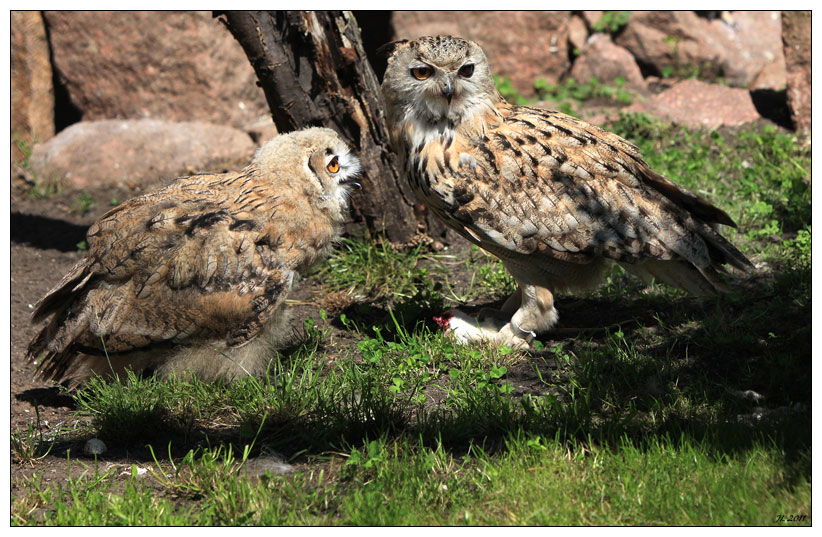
point(555, 198)
point(193, 277)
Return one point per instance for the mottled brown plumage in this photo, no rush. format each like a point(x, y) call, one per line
point(194, 276)
point(555, 198)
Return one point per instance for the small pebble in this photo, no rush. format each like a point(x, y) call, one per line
point(135, 471)
point(94, 446)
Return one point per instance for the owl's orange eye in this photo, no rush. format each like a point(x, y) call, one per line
point(333, 165)
point(421, 73)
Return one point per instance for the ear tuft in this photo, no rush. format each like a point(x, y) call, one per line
point(386, 51)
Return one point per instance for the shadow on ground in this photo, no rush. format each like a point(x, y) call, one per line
point(45, 232)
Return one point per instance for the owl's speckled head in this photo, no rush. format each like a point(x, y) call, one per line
point(325, 159)
point(443, 50)
point(435, 79)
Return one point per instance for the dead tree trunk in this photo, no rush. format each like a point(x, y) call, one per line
point(313, 70)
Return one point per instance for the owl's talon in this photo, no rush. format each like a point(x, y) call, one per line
point(515, 337)
point(529, 333)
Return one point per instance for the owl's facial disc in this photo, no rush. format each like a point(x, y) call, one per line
point(449, 86)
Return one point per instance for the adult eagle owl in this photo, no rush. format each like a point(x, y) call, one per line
point(555, 198)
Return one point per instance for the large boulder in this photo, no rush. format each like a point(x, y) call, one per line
point(180, 66)
point(796, 36)
point(698, 104)
point(32, 92)
point(737, 46)
point(605, 61)
point(136, 151)
point(523, 45)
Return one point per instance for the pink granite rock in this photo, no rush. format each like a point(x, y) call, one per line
point(180, 66)
point(32, 92)
point(699, 104)
point(604, 60)
point(141, 151)
point(796, 36)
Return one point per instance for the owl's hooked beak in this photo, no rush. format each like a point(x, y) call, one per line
point(448, 90)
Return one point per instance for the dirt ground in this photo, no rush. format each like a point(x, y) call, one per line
point(44, 238)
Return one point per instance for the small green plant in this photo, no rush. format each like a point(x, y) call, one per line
point(494, 278)
point(510, 93)
point(569, 90)
point(612, 21)
point(799, 248)
point(489, 274)
point(28, 445)
point(566, 93)
point(315, 335)
point(83, 204)
point(39, 189)
point(46, 189)
point(367, 459)
point(25, 148)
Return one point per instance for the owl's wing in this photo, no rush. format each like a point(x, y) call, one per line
point(543, 182)
point(164, 268)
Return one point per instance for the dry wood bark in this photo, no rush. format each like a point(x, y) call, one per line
point(314, 72)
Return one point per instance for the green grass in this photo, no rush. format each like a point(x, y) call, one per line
point(374, 269)
point(704, 70)
point(29, 445)
point(566, 94)
point(387, 422)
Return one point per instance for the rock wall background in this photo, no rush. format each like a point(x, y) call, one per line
point(185, 72)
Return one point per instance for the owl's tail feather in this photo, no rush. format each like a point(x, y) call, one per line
point(53, 346)
point(62, 359)
point(694, 204)
point(680, 274)
point(722, 252)
point(703, 276)
point(63, 292)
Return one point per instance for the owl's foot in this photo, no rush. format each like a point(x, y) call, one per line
point(515, 336)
